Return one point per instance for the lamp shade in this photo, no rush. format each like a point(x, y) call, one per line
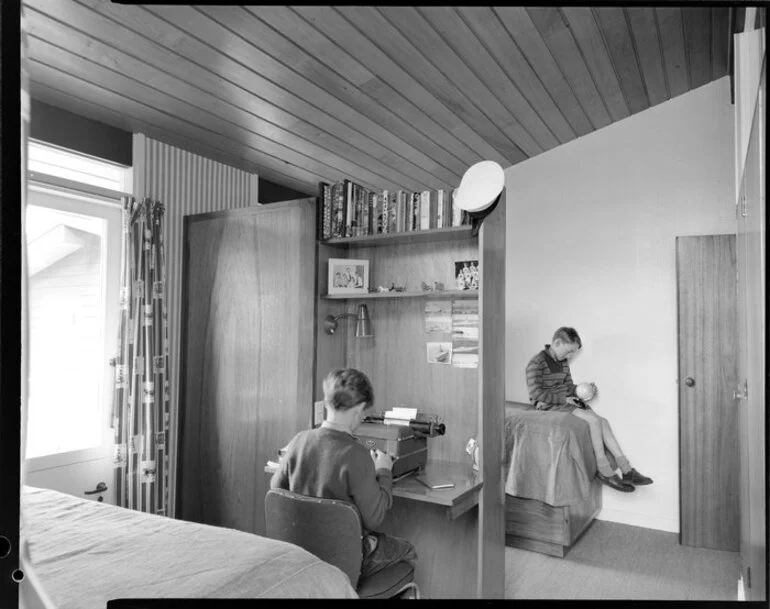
point(363, 323)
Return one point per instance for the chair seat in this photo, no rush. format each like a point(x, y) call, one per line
point(385, 583)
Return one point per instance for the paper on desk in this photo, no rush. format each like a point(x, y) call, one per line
point(400, 416)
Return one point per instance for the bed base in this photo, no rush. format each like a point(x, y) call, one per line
point(539, 527)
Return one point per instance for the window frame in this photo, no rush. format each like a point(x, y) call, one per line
point(103, 203)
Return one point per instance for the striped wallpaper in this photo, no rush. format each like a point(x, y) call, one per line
point(186, 184)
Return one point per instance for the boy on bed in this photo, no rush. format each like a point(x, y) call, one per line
point(329, 462)
point(550, 386)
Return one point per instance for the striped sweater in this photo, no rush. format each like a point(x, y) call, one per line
point(548, 381)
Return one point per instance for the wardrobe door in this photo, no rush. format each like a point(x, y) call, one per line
point(247, 355)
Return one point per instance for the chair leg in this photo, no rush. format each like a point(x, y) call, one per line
point(409, 591)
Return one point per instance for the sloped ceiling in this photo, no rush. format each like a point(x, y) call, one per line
point(390, 97)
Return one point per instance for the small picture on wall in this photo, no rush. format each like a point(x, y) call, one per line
point(347, 276)
point(439, 353)
point(467, 275)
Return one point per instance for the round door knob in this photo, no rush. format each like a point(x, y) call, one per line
point(689, 381)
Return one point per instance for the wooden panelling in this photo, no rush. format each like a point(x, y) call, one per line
point(648, 50)
point(720, 40)
point(559, 40)
point(452, 27)
point(393, 56)
point(533, 525)
point(697, 35)
point(519, 25)
point(445, 150)
point(582, 24)
point(390, 97)
point(614, 26)
point(491, 399)
point(247, 349)
point(287, 56)
point(507, 136)
point(671, 31)
point(396, 359)
point(708, 419)
point(450, 573)
point(487, 27)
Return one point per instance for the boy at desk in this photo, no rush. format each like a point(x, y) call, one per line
point(330, 463)
point(550, 387)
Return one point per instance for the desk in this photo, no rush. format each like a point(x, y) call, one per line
point(443, 527)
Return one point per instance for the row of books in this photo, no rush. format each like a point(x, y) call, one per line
point(351, 210)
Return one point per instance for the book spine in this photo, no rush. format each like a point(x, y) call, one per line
point(371, 212)
point(434, 208)
point(320, 211)
point(383, 201)
point(456, 211)
point(392, 211)
point(356, 209)
point(409, 212)
point(425, 210)
point(337, 217)
point(349, 208)
point(416, 199)
point(440, 208)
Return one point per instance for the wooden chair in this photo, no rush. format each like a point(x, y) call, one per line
point(331, 530)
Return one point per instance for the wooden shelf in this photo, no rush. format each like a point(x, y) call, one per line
point(418, 236)
point(427, 294)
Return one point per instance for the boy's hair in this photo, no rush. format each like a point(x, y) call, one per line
point(344, 388)
point(568, 335)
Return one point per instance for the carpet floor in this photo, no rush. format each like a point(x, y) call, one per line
point(618, 561)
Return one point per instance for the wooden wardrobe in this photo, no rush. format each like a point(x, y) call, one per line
point(248, 304)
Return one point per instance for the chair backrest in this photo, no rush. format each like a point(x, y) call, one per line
point(328, 528)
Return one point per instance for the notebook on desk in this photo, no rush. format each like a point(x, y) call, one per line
point(435, 482)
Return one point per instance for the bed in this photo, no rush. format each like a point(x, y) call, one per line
point(121, 553)
point(551, 493)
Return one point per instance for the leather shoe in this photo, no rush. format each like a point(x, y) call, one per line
point(615, 482)
point(634, 477)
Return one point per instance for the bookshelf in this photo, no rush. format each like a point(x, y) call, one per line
point(427, 294)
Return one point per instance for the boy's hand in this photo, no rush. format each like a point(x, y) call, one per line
point(382, 459)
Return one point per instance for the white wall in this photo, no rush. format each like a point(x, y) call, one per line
point(591, 229)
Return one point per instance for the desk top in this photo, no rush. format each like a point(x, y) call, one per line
point(466, 488)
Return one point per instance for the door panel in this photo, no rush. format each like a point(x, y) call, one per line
point(751, 313)
point(709, 460)
point(247, 369)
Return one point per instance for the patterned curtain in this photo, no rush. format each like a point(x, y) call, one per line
point(140, 408)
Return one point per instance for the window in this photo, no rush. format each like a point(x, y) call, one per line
point(73, 262)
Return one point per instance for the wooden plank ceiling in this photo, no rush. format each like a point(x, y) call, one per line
point(390, 97)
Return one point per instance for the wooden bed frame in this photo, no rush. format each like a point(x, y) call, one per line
point(533, 525)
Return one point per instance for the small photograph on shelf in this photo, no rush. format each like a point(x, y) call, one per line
point(467, 275)
point(347, 276)
point(439, 353)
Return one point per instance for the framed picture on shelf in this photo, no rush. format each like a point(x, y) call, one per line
point(347, 276)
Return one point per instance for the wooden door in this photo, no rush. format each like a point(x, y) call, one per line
point(751, 366)
point(708, 417)
point(247, 355)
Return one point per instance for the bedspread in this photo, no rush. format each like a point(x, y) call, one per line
point(548, 455)
point(86, 553)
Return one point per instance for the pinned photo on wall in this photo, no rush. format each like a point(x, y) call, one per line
point(465, 353)
point(438, 317)
point(465, 334)
point(439, 353)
